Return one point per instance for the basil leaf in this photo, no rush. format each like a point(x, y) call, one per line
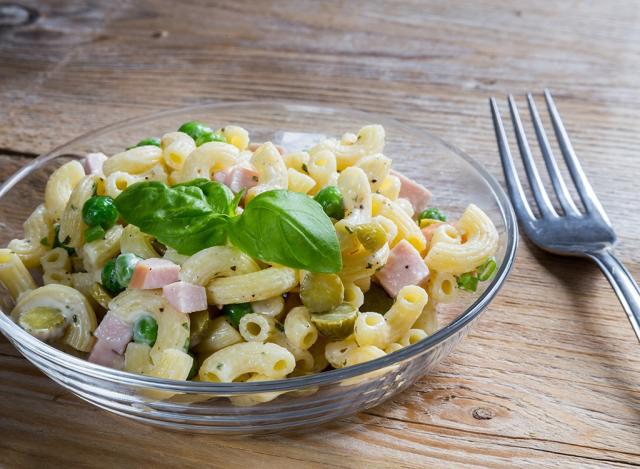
point(218, 195)
point(287, 228)
point(187, 217)
point(233, 206)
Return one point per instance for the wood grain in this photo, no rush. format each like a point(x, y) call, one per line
point(549, 377)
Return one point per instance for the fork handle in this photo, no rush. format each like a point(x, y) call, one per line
point(623, 284)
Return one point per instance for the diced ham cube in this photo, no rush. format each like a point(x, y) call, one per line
point(237, 177)
point(115, 332)
point(154, 273)
point(429, 230)
point(221, 176)
point(93, 163)
point(241, 177)
point(404, 267)
point(103, 354)
point(185, 297)
point(417, 194)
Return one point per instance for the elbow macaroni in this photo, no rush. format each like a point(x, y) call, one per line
point(459, 257)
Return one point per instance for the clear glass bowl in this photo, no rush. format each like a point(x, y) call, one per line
point(455, 180)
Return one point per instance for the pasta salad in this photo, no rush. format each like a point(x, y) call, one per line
point(204, 256)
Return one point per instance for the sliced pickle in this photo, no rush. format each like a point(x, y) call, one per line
point(321, 292)
point(44, 322)
point(376, 300)
point(101, 295)
point(371, 235)
point(337, 323)
point(198, 325)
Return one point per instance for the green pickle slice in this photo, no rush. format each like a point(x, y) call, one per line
point(321, 292)
point(43, 322)
point(100, 294)
point(337, 323)
point(371, 235)
point(199, 321)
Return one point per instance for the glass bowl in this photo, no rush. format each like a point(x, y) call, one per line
point(455, 180)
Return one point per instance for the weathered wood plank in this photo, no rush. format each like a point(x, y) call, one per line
point(549, 375)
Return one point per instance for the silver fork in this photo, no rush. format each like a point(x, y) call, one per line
point(570, 233)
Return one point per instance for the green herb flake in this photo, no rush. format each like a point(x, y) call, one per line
point(487, 270)
point(468, 281)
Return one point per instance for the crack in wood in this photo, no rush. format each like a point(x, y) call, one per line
point(485, 433)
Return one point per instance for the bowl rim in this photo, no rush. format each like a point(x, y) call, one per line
point(76, 364)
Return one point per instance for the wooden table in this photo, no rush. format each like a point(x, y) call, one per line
point(550, 375)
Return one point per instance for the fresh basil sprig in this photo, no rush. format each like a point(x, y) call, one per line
point(287, 228)
point(187, 217)
point(277, 226)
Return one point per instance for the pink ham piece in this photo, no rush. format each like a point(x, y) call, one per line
point(417, 194)
point(404, 267)
point(237, 177)
point(429, 230)
point(115, 332)
point(93, 163)
point(185, 297)
point(103, 354)
point(221, 176)
point(154, 273)
point(241, 177)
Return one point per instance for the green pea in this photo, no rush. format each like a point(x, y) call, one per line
point(100, 210)
point(331, 200)
point(194, 129)
point(486, 270)
point(108, 278)
point(93, 232)
point(431, 214)
point(210, 137)
point(235, 312)
point(146, 141)
point(145, 331)
point(125, 265)
point(468, 281)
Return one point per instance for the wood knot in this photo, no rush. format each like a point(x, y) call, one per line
point(482, 413)
point(13, 15)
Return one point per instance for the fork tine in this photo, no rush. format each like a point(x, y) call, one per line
point(520, 203)
point(566, 202)
point(539, 192)
point(585, 191)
